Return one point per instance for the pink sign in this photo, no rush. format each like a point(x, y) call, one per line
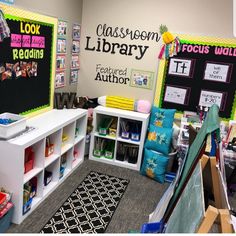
point(15, 40)
point(38, 42)
point(26, 41)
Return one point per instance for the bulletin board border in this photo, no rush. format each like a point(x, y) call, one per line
point(163, 64)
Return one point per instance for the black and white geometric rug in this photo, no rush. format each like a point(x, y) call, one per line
point(90, 207)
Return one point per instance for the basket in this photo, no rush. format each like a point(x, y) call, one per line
point(9, 130)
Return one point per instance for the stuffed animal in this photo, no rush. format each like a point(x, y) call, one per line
point(142, 106)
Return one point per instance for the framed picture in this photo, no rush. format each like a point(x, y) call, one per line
point(76, 31)
point(141, 79)
point(75, 46)
point(60, 79)
point(75, 62)
point(62, 28)
point(61, 45)
point(61, 62)
point(74, 75)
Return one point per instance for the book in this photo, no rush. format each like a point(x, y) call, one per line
point(8, 206)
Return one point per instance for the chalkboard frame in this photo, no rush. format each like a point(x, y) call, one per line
point(163, 67)
point(25, 15)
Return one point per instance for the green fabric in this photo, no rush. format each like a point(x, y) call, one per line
point(211, 124)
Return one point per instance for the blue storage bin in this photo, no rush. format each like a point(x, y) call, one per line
point(27, 206)
point(5, 221)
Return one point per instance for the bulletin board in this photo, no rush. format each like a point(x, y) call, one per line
point(27, 62)
point(203, 73)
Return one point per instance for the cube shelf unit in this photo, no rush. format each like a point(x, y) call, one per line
point(48, 126)
point(101, 113)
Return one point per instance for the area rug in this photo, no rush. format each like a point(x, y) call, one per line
point(90, 207)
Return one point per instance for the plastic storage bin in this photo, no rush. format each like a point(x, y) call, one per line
point(9, 130)
point(5, 221)
point(27, 206)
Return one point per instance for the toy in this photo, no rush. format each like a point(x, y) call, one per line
point(142, 106)
point(172, 44)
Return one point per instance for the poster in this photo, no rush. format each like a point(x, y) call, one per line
point(61, 62)
point(74, 75)
point(27, 65)
point(76, 31)
point(141, 79)
point(181, 67)
point(218, 72)
point(75, 62)
point(61, 45)
point(75, 46)
point(176, 95)
point(62, 28)
point(60, 79)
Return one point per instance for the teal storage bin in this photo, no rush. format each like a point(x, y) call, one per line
point(5, 221)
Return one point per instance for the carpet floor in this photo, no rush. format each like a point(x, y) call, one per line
point(139, 200)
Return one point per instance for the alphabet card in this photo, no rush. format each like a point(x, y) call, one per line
point(181, 67)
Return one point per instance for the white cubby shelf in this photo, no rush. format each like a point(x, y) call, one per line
point(117, 115)
point(49, 126)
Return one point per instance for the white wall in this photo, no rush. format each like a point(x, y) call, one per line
point(69, 10)
point(202, 17)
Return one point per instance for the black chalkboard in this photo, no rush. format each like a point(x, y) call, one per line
point(26, 66)
point(201, 74)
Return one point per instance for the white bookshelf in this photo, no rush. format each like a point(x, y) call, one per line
point(98, 114)
point(51, 124)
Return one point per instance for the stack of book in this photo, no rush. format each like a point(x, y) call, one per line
point(5, 204)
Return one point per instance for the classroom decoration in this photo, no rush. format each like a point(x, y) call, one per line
point(172, 44)
point(62, 28)
point(75, 66)
point(202, 74)
point(60, 78)
point(4, 29)
point(142, 106)
point(162, 117)
point(159, 139)
point(74, 75)
point(76, 31)
point(154, 165)
point(27, 64)
point(64, 100)
point(141, 79)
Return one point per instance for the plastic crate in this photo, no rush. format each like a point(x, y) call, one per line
point(9, 130)
point(5, 221)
